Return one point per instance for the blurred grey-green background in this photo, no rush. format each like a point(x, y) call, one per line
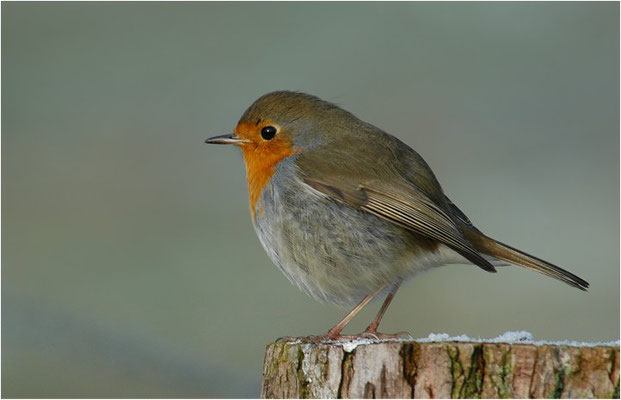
point(129, 263)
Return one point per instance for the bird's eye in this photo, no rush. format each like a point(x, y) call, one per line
point(268, 132)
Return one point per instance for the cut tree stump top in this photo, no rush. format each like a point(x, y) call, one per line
point(411, 369)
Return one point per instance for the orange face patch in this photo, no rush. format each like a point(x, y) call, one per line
point(261, 156)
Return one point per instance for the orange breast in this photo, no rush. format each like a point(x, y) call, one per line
point(261, 158)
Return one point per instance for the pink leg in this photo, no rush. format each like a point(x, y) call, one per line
point(372, 328)
point(336, 329)
point(371, 331)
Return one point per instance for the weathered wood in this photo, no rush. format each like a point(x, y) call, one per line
point(410, 369)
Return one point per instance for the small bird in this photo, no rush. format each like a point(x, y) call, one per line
point(348, 212)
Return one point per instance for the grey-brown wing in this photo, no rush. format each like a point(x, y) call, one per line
point(457, 213)
point(403, 206)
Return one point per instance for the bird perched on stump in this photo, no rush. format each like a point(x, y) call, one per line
point(348, 212)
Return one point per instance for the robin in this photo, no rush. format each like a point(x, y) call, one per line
point(348, 212)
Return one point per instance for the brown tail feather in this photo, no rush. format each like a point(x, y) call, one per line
point(501, 251)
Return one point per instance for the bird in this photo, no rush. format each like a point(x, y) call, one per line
point(348, 212)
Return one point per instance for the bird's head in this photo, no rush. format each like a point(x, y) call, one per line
point(279, 125)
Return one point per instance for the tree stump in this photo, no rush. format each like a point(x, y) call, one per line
point(414, 369)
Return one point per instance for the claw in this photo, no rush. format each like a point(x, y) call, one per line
point(369, 334)
point(331, 337)
point(379, 336)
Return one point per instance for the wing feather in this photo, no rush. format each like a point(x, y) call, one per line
point(405, 207)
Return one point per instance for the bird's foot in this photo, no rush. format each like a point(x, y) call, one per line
point(331, 337)
point(380, 336)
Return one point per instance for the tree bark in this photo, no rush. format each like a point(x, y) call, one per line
point(409, 369)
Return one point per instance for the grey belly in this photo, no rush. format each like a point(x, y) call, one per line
point(329, 250)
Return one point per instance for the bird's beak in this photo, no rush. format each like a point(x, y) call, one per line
point(225, 139)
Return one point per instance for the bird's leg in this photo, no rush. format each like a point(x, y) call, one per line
point(371, 330)
point(336, 329)
point(335, 332)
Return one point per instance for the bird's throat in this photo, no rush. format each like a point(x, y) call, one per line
point(261, 164)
